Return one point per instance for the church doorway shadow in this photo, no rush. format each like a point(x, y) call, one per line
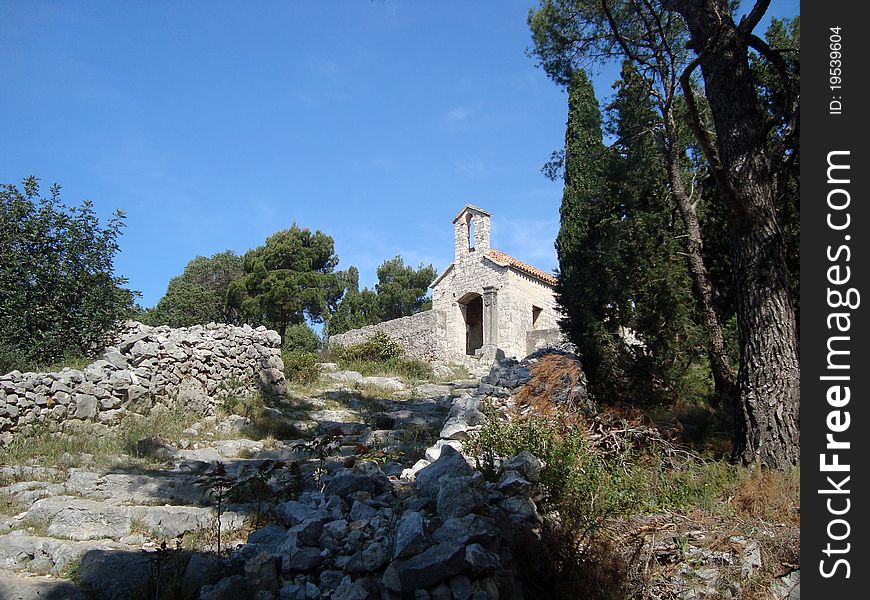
point(471, 305)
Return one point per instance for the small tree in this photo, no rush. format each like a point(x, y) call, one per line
point(402, 290)
point(302, 338)
point(199, 295)
point(59, 295)
point(288, 280)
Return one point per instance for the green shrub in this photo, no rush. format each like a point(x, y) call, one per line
point(378, 347)
point(409, 369)
point(301, 338)
point(586, 488)
point(380, 355)
point(301, 366)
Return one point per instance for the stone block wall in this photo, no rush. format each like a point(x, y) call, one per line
point(516, 300)
point(149, 364)
point(544, 338)
point(421, 335)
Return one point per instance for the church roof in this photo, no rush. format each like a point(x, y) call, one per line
point(506, 260)
point(442, 276)
point(472, 208)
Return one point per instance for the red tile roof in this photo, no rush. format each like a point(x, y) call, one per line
point(505, 259)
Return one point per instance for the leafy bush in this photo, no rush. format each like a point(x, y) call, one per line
point(379, 347)
point(301, 337)
point(586, 487)
point(59, 295)
point(380, 355)
point(409, 369)
point(300, 366)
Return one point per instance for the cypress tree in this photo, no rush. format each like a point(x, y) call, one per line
point(585, 244)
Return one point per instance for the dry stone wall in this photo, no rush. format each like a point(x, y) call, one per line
point(421, 335)
point(149, 364)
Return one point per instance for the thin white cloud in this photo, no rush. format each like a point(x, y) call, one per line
point(136, 160)
point(322, 65)
point(306, 98)
point(459, 113)
point(471, 168)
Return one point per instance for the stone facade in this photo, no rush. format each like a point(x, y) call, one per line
point(488, 297)
point(149, 364)
point(421, 335)
point(483, 302)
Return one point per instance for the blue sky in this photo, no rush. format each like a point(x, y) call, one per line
point(216, 124)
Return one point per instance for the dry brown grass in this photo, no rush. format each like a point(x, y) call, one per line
point(688, 499)
point(772, 496)
point(552, 373)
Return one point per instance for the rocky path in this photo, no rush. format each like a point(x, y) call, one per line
point(371, 497)
point(332, 514)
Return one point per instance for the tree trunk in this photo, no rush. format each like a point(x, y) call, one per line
point(769, 376)
point(723, 376)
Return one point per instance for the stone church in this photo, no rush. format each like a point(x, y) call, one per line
point(484, 301)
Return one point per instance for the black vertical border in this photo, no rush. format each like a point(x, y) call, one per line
point(821, 133)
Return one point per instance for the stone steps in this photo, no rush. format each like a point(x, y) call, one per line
point(113, 515)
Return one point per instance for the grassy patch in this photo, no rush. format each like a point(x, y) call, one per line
point(458, 372)
point(35, 527)
point(587, 485)
point(10, 507)
point(266, 422)
point(44, 447)
point(137, 526)
point(406, 369)
point(301, 366)
point(72, 570)
point(612, 477)
point(11, 361)
point(205, 539)
point(382, 356)
point(369, 392)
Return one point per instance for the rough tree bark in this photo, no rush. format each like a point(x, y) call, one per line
point(768, 381)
